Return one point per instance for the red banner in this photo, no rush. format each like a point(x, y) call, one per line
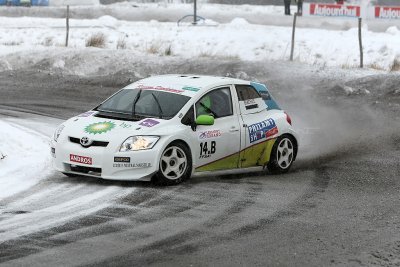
point(387, 12)
point(334, 10)
point(80, 159)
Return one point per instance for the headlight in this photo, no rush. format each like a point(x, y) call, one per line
point(58, 132)
point(135, 143)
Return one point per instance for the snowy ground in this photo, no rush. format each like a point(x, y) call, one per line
point(27, 158)
point(317, 44)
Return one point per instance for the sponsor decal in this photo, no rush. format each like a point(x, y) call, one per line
point(100, 127)
point(122, 159)
point(209, 134)
point(387, 12)
point(332, 10)
point(80, 159)
point(149, 123)
point(87, 114)
point(207, 149)
point(250, 104)
point(125, 125)
point(271, 132)
point(189, 88)
point(262, 130)
point(132, 165)
point(159, 88)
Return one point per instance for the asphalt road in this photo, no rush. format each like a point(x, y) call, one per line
point(338, 206)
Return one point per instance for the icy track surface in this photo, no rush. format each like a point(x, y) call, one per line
point(33, 196)
point(27, 158)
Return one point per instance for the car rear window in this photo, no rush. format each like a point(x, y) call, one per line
point(246, 92)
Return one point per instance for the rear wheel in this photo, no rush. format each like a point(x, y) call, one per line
point(282, 155)
point(175, 165)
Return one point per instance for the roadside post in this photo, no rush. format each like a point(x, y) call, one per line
point(360, 43)
point(293, 36)
point(67, 34)
point(195, 12)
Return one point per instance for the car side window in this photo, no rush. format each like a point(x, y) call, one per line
point(217, 103)
point(246, 92)
point(188, 118)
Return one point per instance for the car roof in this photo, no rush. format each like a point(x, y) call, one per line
point(185, 84)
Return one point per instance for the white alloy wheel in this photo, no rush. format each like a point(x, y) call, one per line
point(285, 154)
point(173, 163)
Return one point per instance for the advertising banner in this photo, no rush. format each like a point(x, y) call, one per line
point(40, 2)
point(387, 12)
point(9, 2)
point(333, 10)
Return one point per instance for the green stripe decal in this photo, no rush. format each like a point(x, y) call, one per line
point(189, 88)
point(256, 155)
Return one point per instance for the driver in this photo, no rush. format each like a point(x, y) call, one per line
point(204, 107)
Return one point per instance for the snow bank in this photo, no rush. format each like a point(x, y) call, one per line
point(27, 159)
point(236, 39)
point(393, 31)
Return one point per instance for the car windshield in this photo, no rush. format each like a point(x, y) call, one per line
point(143, 103)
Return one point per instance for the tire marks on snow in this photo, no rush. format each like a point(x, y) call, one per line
point(159, 220)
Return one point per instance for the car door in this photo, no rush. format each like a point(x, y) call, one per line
point(219, 144)
point(258, 129)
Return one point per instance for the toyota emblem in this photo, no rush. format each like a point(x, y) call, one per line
point(85, 141)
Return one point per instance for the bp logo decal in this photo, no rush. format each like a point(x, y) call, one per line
point(99, 127)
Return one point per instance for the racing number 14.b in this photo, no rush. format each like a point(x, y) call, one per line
point(205, 151)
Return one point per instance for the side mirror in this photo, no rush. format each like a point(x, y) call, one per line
point(205, 120)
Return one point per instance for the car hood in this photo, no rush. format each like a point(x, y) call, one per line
point(106, 129)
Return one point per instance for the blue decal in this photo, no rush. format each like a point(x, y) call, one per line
point(262, 130)
point(40, 2)
point(10, 2)
point(266, 96)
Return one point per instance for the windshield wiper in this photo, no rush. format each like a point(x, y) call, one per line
point(134, 103)
point(111, 111)
point(159, 106)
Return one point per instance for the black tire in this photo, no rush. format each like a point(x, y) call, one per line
point(175, 165)
point(283, 154)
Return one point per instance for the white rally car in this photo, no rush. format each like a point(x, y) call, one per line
point(166, 128)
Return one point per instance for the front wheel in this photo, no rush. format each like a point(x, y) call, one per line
point(175, 165)
point(282, 155)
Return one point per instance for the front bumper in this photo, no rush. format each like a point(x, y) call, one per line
point(104, 162)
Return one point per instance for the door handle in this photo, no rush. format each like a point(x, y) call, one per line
point(233, 129)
